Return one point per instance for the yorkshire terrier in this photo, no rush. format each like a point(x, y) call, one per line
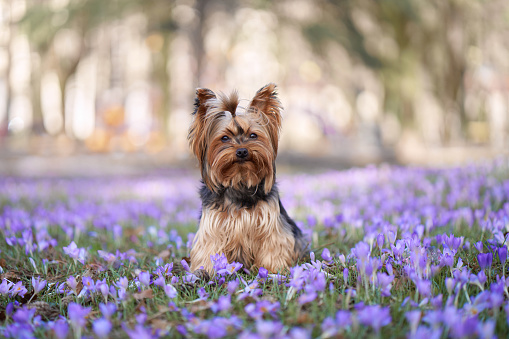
point(242, 216)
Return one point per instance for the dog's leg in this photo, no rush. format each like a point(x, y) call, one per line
point(208, 240)
point(281, 240)
point(201, 252)
point(277, 252)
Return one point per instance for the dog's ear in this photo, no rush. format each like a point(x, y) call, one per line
point(266, 103)
point(196, 134)
point(200, 102)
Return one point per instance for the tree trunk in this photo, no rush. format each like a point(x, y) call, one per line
point(197, 39)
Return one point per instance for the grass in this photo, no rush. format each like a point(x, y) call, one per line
point(153, 215)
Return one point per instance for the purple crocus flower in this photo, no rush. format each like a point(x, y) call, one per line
point(102, 287)
point(5, 287)
point(60, 328)
point(102, 327)
point(122, 283)
point(424, 332)
point(23, 315)
point(122, 294)
point(326, 255)
point(168, 268)
point(308, 296)
point(159, 281)
point(329, 328)
point(185, 265)
point(385, 283)
point(389, 268)
point(139, 332)
point(361, 251)
point(202, 294)
point(299, 333)
point(189, 278)
point(89, 284)
point(479, 279)
point(78, 254)
point(479, 246)
point(463, 328)
point(485, 260)
point(170, 291)
point(424, 287)
point(451, 241)
point(413, 318)
point(110, 258)
point(223, 304)
point(108, 309)
point(263, 273)
point(9, 309)
point(447, 259)
point(256, 311)
point(380, 241)
point(77, 315)
point(342, 259)
point(141, 318)
point(502, 254)
point(269, 329)
point(18, 289)
point(250, 290)
point(38, 284)
point(233, 286)
point(486, 330)
point(375, 316)
point(214, 328)
point(144, 278)
point(229, 269)
point(343, 318)
point(72, 283)
point(219, 261)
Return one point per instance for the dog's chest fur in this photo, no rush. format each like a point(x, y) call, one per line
point(248, 227)
point(240, 232)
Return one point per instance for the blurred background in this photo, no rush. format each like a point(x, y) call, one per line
point(92, 84)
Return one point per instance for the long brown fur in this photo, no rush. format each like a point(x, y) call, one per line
point(231, 232)
point(252, 231)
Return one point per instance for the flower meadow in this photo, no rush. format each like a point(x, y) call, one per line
point(394, 252)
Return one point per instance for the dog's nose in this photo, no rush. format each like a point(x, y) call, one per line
point(242, 153)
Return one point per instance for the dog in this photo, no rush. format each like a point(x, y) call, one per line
point(242, 216)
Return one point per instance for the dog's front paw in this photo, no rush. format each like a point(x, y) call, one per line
point(202, 274)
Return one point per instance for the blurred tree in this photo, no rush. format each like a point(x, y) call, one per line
point(43, 23)
point(402, 40)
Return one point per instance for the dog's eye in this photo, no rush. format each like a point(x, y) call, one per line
point(253, 136)
point(225, 138)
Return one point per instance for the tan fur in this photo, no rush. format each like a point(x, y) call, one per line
point(254, 236)
point(210, 123)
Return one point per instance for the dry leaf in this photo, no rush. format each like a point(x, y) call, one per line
point(9, 275)
point(164, 254)
point(198, 305)
point(45, 310)
point(145, 294)
point(303, 318)
point(160, 324)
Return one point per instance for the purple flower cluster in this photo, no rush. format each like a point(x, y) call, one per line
point(423, 248)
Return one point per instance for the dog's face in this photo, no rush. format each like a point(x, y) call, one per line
point(236, 146)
